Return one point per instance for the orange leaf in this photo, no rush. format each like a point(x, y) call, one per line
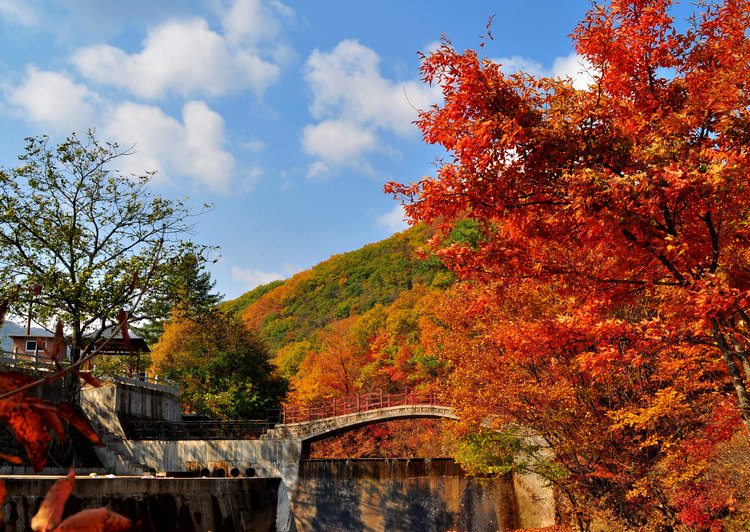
point(51, 510)
point(58, 344)
point(96, 520)
point(123, 317)
point(133, 283)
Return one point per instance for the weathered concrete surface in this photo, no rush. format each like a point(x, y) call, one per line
point(535, 502)
point(399, 495)
point(164, 505)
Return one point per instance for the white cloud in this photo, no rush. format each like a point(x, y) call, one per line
point(251, 278)
point(193, 148)
point(394, 220)
point(576, 68)
point(254, 146)
point(183, 57)
point(19, 12)
point(346, 82)
point(511, 65)
point(338, 142)
point(318, 169)
point(356, 105)
point(252, 176)
point(251, 21)
point(53, 100)
point(572, 66)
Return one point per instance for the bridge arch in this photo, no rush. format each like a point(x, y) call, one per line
point(308, 432)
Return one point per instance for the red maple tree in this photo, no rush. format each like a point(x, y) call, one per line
point(609, 300)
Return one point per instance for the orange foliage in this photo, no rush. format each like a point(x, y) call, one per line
point(331, 370)
point(414, 438)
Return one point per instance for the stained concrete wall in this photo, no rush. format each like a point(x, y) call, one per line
point(399, 495)
point(164, 505)
point(303, 501)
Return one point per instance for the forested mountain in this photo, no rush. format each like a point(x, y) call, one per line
point(343, 286)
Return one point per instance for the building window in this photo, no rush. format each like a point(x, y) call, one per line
point(30, 345)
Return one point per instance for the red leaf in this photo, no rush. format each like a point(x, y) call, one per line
point(89, 379)
point(50, 416)
point(28, 427)
point(51, 510)
point(36, 289)
point(4, 308)
point(123, 317)
point(96, 520)
point(12, 380)
point(79, 422)
point(13, 460)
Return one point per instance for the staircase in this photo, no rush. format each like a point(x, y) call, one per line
point(115, 456)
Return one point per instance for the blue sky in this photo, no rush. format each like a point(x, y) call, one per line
point(287, 117)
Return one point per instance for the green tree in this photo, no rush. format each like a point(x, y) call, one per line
point(224, 369)
point(184, 290)
point(84, 239)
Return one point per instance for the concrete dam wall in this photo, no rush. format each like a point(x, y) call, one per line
point(408, 495)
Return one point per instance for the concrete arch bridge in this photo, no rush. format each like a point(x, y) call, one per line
point(314, 422)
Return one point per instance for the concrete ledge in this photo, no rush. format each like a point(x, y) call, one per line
point(189, 505)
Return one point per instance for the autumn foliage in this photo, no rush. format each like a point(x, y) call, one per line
point(608, 304)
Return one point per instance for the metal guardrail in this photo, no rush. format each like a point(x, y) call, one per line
point(35, 361)
point(354, 404)
point(143, 380)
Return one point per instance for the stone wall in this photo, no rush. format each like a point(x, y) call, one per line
point(164, 505)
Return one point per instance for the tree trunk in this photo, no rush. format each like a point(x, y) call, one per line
point(734, 372)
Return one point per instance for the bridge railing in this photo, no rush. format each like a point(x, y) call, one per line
point(353, 404)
